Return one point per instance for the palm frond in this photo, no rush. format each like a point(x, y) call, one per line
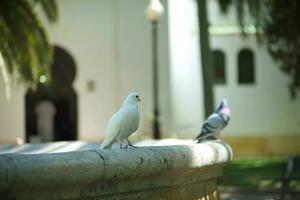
point(50, 9)
point(24, 44)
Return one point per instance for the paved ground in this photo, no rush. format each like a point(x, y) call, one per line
point(237, 193)
point(256, 196)
point(248, 197)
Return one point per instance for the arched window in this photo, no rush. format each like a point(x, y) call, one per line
point(246, 69)
point(219, 71)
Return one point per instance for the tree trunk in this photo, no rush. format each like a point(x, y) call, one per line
point(206, 61)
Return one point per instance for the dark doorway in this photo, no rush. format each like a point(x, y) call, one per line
point(57, 100)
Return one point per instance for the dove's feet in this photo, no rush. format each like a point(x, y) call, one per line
point(129, 145)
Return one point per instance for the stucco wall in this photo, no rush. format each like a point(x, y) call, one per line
point(12, 122)
point(185, 73)
point(135, 60)
point(110, 42)
point(264, 108)
point(87, 31)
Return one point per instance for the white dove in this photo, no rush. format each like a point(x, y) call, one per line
point(215, 123)
point(123, 123)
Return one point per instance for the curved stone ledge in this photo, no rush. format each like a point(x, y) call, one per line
point(146, 172)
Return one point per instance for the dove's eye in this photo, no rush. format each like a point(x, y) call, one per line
point(137, 98)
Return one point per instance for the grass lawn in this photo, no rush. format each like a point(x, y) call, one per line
point(256, 173)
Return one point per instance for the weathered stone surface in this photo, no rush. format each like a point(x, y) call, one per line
point(160, 172)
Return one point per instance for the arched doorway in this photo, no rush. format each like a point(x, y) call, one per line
point(52, 109)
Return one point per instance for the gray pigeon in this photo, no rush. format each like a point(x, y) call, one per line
point(123, 123)
point(215, 123)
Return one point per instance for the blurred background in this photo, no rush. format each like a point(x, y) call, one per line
point(68, 65)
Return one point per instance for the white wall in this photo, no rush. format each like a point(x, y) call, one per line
point(87, 31)
point(12, 114)
point(111, 45)
point(259, 109)
point(215, 15)
point(185, 73)
point(135, 60)
point(262, 108)
point(112, 48)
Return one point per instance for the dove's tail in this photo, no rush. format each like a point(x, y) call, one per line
point(105, 145)
point(201, 137)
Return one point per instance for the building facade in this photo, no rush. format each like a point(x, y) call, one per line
point(107, 46)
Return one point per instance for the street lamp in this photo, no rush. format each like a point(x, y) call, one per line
point(153, 12)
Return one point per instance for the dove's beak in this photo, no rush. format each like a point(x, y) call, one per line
point(139, 100)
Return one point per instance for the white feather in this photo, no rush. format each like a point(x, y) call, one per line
point(123, 123)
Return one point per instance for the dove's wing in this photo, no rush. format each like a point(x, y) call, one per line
point(121, 126)
point(130, 123)
point(215, 124)
point(211, 127)
point(112, 130)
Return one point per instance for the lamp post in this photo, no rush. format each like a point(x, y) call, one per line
point(153, 12)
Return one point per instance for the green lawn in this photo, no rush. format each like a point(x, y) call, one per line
point(256, 173)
